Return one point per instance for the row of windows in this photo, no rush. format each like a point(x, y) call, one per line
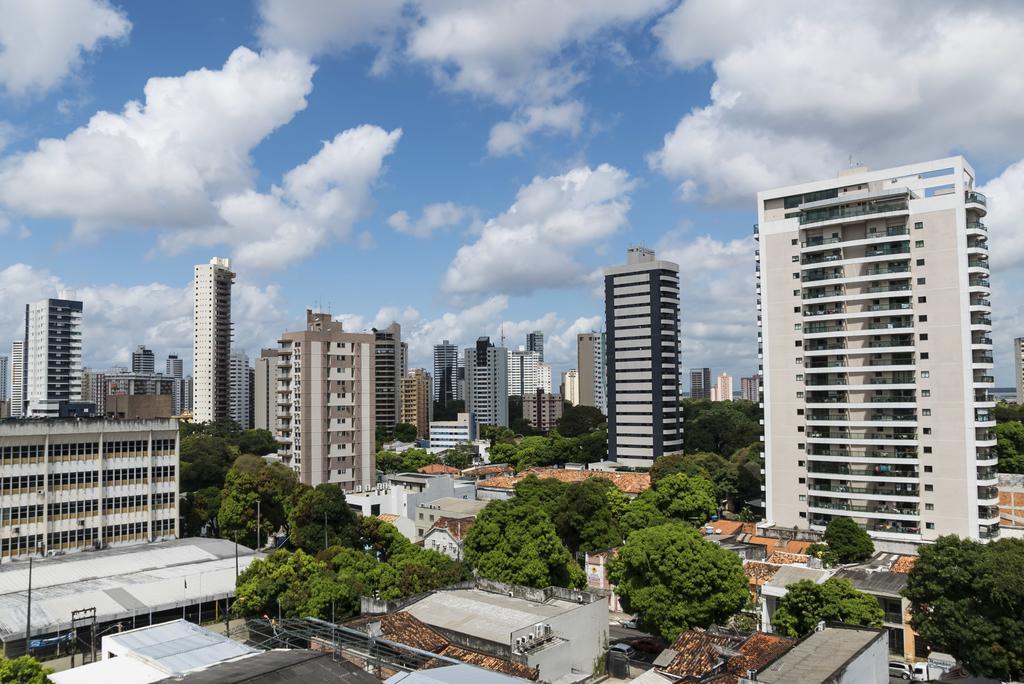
point(19, 514)
point(126, 530)
point(21, 542)
point(163, 471)
point(82, 535)
point(82, 477)
point(31, 451)
point(162, 526)
point(82, 506)
point(116, 503)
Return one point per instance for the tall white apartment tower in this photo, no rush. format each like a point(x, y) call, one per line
point(641, 301)
point(5, 377)
point(593, 378)
point(53, 355)
point(523, 372)
point(240, 389)
point(211, 346)
point(487, 383)
point(17, 379)
point(570, 386)
point(877, 353)
point(1018, 365)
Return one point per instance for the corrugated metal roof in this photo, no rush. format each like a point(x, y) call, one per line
point(119, 582)
point(176, 647)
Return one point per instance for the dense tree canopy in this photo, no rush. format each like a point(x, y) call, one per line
point(674, 580)
point(968, 600)
point(404, 432)
point(199, 511)
point(722, 473)
point(577, 421)
point(584, 518)
point(1010, 446)
point(516, 543)
point(543, 493)
point(252, 479)
point(847, 541)
point(1005, 412)
point(449, 410)
point(720, 427)
point(23, 670)
point(257, 442)
point(313, 508)
point(409, 461)
point(807, 603)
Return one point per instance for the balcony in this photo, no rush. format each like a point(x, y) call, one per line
point(973, 197)
point(824, 311)
point(855, 472)
point(880, 454)
point(818, 274)
point(854, 211)
point(988, 493)
point(988, 532)
point(819, 240)
point(894, 434)
point(872, 508)
point(977, 225)
point(887, 490)
point(886, 527)
point(978, 281)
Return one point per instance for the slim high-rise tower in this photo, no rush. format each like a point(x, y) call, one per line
point(18, 378)
point(211, 347)
point(5, 377)
point(143, 360)
point(641, 300)
point(1018, 366)
point(593, 379)
point(389, 359)
point(535, 343)
point(487, 383)
point(264, 377)
point(446, 372)
point(174, 367)
point(700, 383)
point(240, 384)
point(523, 372)
point(877, 353)
point(53, 355)
point(417, 408)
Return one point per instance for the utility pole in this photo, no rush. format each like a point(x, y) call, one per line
point(257, 525)
point(325, 530)
point(236, 557)
point(28, 612)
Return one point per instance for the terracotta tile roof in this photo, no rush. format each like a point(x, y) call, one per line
point(757, 651)
point(457, 527)
point(629, 483)
point(726, 527)
point(439, 469)
point(903, 564)
point(700, 653)
point(758, 572)
point(388, 518)
point(487, 662)
point(768, 542)
point(797, 546)
point(784, 558)
point(697, 653)
point(499, 482)
point(496, 469)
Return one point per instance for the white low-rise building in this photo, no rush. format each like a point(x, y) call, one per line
point(446, 434)
point(401, 494)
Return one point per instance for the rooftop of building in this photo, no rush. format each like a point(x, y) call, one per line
point(628, 483)
point(483, 614)
point(280, 666)
point(27, 427)
point(456, 527)
point(875, 582)
point(463, 507)
point(439, 469)
point(819, 656)
point(489, 469)
point(699, 653)
point(452, 674)
point(791, 574)
point(118, 582)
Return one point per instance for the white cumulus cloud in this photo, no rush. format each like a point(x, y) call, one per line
point(434, 217)
point(510, 137)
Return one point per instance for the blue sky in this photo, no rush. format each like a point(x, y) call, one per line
point(539, 139)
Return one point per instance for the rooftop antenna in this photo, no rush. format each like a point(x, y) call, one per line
point(503, 333)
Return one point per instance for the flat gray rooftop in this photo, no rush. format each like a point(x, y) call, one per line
point(818, 656)
point(450, 503)
point(483, 614)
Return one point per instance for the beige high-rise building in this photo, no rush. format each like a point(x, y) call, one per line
point(326, 402)
point(211, 345)
point(1018, 366)
point(570, 386)
point(264, 380)
point(590, 363)
point(877, 353)
point(722, 391)
point(417, 404)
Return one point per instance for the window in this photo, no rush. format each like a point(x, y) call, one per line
point(929, 488)
point(799, 377)
point(927, 431)
point(926, 412)
point(921, 281)
point(923, 318)
point(797, 326)
point(803, 514)
point(926, 374)
point(794, 241)
point(920, 262)
point(929, 526)
point(796, 276)
point(922, 300)
point(799, 412)
point(919, 243)
point(929, 507)
point(803, 497)
point(924, 355)
point(799, 343)
point(927, 450)
point(918, 225)
point(926, 393)
point(800, 428)
point(924, 336)
point(927, 469)
point(800, 464)
point(799, 361)
point(796, 309)
point(796, 257)
point(800, 446)
point(799, 395)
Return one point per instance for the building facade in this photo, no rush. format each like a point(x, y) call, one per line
point(723, 388)
point(544, 377)
point(645, 419)
point(69, 485)
point(174, 367)
point(542, 410)
point(535, 343)
point(325, 403)
point(5, 378)
point(239, 389)
point(53, 355)
point(389, 359)
point(487, 383)
point(445, 434)
point(446, 373)
point(417, 404)
point(570, 386)
point(134, 384)
point(143, 360)
point(877, 353)
point(1018, 365)
point(94, 388)
point(264, 380)
point(211, 347)
point(523, 372)
point(17, 379)
point(592, 369)
point(750, 388)
point(700, 383)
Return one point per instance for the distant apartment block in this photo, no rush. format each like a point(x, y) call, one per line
point(211, 347)
point(590, 363)
point(174, 367)
point(749, 387)
point(390, 366)
point(700, 383)
point(542, 410)
point(325, 403)
point(239, 389)
point(417, 403)
point(143, 360)
point(535, 343)
point(722, 391)
point(570, 386)
point(52, 368)
point(5, 378)
point(18, 378)
point(523, 372)
point(877, 353)
point(487, 383)
point(94, 388)
point(544, 377)
point(446, 373)
point(69, 485)
point(264, 381)
point(445, 434)
point(645, 419)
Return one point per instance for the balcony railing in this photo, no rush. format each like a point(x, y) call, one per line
point(976, 225)
point(829, 434)
point(864, 209)
point(884, 270)
point(969, 196)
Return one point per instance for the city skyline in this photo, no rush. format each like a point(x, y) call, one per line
point(440, 223)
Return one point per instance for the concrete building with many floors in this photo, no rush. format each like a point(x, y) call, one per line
point(592, 368)
point(523, 372)
point(211, 347)
point(1018, 366)
point(445, 434)
point(5, 378)
point(487, 383)
point(875, 335)
point(417, 402)
point(325, 403)
point(52, 368)
point(542, 410)
point(535, 343)
point(390, 355)
point(700, 383)
point(645, 419)
point(143, 360)
point(17, 378)
point(447, 385)
point(264, 381)
point(174, 367)
point(69, 485)
point(240, 389)
point(722, 391)
point(570, 386)
point(750, 388)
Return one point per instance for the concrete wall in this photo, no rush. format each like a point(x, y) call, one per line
point(870, 666)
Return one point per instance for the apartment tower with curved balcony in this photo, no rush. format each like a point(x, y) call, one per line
point(876, 350)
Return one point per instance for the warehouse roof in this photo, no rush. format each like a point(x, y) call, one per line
point(820, 656)
point(176, 647)
point(118, 582)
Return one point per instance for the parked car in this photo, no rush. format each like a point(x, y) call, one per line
point(625, 649)
point(901, 670)
point(647, 645)
point(631, 623)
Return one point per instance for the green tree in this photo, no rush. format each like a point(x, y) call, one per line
point(414, 571)
point(675, 580)
point(414, 459)
point(380, 539)
point(205, 461)
point(280, 577)
point(967, 599)
point(389, 461)
point(720, 427)
point(1006, 412)
point(315, 507)
point(516, 543)
point(23, 670)
point(543, 493)
point(686, 498)
point(449, 410)
point(504, 453)
point(199, 511)
point(847, 541)
point(748, 464)
point(641, 513)
point(258, 442)
point(807, 603)
point(252, 479)
point(1010, 446)
point(584, 517)
point(460, 456)
point(497, 434)
point(579, 420)
point(722, 473)
point(404, 432)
